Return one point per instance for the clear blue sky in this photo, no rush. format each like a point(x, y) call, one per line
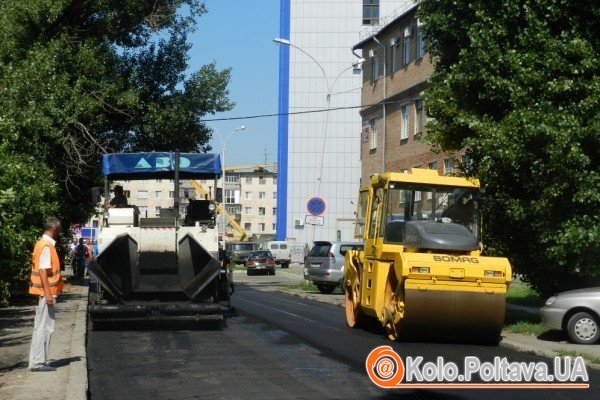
point(239, 34)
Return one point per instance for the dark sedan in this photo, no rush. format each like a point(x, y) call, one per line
point(260, 261)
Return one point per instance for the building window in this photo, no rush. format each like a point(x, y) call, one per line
point(420, 43)
point(171, 194)
point(159, 181)
point(231, 179)
point(274, 226)
point(373, 138)
point(247, 226)
point(143, 181)
point(262, 180)
point(248, 195)
point(157, 211)
point(432, 165)
point(406, 47)
point(127, 193)
point(143, 211)
point(248, 210)
point(274, 210)
point(404, 123)
point(467, 163)
point(261, 211)
point(274, 180)
point(158, 194)
point(448, 166)
point(419, 116)
point(262, 195)
point(374, 68)
point(370, 12)
point(261, 226)
point(229, 196)
point(249, 180)
point(404, 171)
point(231, 209)
point(394, 54)
point(274, 195)
point(142, 194)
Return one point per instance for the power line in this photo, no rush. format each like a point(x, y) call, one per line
point(295, 112)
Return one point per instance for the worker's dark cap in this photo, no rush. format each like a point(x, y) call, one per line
point(118, 188)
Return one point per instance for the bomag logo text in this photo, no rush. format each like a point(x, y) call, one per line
point(462, 259)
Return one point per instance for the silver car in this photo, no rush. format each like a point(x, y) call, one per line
point(324, 265)
point(576, 312)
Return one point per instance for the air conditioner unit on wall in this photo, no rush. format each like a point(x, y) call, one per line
point(407, 31)
point(372, 53)
point(299, 222)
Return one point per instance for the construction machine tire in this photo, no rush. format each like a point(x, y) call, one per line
point(325, 289)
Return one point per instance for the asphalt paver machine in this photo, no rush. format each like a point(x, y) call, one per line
point(162, 267)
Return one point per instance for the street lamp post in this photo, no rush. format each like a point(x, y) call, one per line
point(286, 42)
point(223, 144)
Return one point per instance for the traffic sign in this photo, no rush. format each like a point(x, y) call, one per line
point(314, 220)
point(315, 206)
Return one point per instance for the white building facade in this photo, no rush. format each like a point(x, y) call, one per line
point(319, 152)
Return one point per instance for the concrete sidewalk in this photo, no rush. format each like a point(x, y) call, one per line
point(67, 349)
point(548, 345)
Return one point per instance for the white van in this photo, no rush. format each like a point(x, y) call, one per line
point(282, 252)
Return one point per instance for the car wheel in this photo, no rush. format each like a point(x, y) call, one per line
point(326, 289)
point(273, 271)
point(583, 328)
point(248, 273)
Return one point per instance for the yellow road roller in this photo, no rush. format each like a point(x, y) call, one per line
point(421, 273)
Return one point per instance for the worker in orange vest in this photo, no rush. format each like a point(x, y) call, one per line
point(46, 283)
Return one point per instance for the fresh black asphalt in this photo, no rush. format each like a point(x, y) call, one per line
point(278, 347)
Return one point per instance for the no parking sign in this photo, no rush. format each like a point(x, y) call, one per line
point(315, 206)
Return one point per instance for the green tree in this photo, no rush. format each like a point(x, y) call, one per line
point(80, 78)
point(516, 82)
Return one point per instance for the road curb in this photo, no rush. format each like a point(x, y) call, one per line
point(516, 345)
point(77, 387)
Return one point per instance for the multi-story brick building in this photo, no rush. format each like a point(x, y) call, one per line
point(395, 74)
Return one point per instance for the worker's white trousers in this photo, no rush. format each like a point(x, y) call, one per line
point(42, 332)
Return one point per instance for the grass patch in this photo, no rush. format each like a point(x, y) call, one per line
point(517, 321)
point(523, 295)
point(306, 287)
point(238, 268)
point(588, 357)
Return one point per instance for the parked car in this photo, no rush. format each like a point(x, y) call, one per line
point(324, 264)
point(238, 252)
point(260, 261)
point(281, 251)
point(576, 312)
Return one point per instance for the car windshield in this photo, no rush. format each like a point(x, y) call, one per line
point(409, 202)
point(320, 249)
point(243, 246)
point(260, 254)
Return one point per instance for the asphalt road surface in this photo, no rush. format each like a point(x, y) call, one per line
point(279, 347)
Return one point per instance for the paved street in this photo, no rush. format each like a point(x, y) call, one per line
point(279, 346)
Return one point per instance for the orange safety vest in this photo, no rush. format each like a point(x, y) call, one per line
point(54, 278)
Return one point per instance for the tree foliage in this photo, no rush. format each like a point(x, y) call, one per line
point(80, 78)
point(516, 82)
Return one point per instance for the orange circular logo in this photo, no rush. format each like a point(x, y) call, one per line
point(385, 367)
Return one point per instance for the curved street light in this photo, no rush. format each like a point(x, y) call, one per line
point(223, 144)
point(286, 42)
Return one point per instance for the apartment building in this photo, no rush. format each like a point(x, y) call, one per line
point(395, 75)
point(250, 197)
